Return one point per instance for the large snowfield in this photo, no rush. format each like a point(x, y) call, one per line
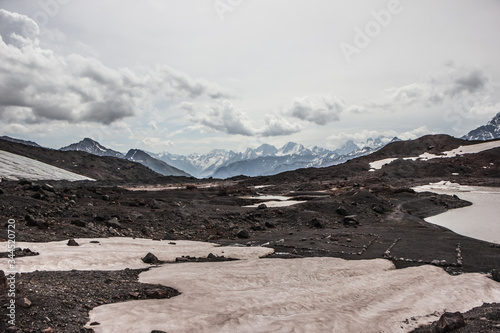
point(264, 295)
point(16, 167)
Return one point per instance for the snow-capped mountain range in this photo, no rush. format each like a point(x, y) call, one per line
point(486, 132)
point(267, 159)
point(93, 147)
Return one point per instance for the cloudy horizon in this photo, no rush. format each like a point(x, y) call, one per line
point(231, 74)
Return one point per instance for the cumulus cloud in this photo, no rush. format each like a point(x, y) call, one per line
point(318, 109)
point(277, 126)
point(37, 85)
point(453, 84)
point(222, 116)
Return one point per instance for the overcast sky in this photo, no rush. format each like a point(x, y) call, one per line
point(191, 76)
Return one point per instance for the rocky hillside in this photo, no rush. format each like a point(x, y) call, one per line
point(96, 167)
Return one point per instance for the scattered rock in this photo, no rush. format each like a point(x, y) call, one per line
point(156, 331)
point(270, 225)
point(342, 211)
point(33, 222)
point(105, 197)
point(95, 323)
point(150, 259)
point(495, 275)
point(24, 302)
point(315, 223)
point(48, 187)
point(351, 220)
point(3, 280)
point(262, 206)
point(134, 294)
point(156, 293)
point(73, 242)
point(243, 234)
point(48, 330)
point(169, 236)
point(449, 321)
point(114, 223)
point(79, 223)
point(378, 209)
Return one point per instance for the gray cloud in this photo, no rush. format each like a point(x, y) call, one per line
point(319, 109)
point(51, 87)
point(469, 82)
point(223, 117)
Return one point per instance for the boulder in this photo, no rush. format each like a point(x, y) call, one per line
point(351, 220)
point(150, 259)
point(3, 280)
point(114, 223)
point(24, 302)
point(449, 322)
point(342, 211)
point(243, 234)
point(495, 275)
point(315, 223)
point(262, 206)
point(156, 293)
point(72, 242)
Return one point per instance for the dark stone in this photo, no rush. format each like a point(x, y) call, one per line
point(24, 302)
point(262, 206)
point(243, 234)
point(73, 242)
point(3, 280)
point(150, 259)
point(1, 191)
point(257, 227)
point(342, 211)
point(79, 223)
point(270, 225)
point(156, 331)
point(315, 223)
point(350, 220)
point(156, 293)
point(449, 322)
point(32, 222)
point(495, 275)
point(379, 210)
point(105, 197)
point(48, 187)
point(169, 236)
point(38, 196)
point(113, 223)
point(211, 256)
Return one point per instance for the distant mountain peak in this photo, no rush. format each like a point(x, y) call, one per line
point(92, 147)
point(486, 132)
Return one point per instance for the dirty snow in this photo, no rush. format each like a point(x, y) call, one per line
point(478, 221)
point(296, 295)
point(470, 149)
point(119, 253)
point(274, 203)
point(16, 167)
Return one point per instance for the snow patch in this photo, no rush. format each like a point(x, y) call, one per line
point(296, 295)
point(16, 167)
point(118, 253)
point(471, 149)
